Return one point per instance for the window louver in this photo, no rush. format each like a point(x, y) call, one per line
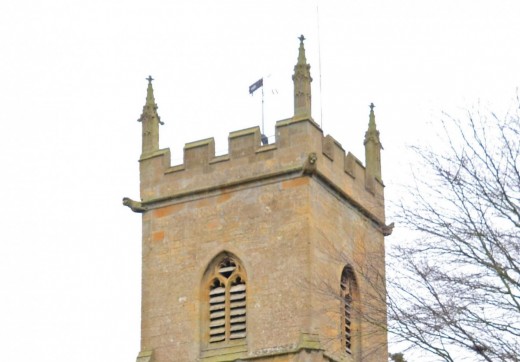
point(348, 283)
point(217, 313)
point(348, 323)
point(227, 303)
point(237, 309)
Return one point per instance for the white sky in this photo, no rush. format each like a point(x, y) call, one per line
point(73, 85)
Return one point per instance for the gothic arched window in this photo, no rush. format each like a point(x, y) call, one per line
point(227, 300)
point(348, 293)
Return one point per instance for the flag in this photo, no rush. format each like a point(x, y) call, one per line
point(259, 83)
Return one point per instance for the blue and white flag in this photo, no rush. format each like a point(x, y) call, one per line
point(259, 83)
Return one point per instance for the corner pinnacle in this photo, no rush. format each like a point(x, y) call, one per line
point(372, 147)
point(150, 120)
point(302, 84)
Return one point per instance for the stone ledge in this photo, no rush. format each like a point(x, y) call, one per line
point(153, 203)
point(224, 353)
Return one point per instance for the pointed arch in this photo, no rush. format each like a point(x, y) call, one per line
point(349, 310)
point(224, 295)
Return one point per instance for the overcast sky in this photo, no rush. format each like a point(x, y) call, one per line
point(73, 86)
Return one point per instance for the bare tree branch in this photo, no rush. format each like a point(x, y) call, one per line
point(455, 291)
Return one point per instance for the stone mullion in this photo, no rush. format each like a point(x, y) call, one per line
point(227, 322)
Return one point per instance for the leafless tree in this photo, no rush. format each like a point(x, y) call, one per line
point(454, 290)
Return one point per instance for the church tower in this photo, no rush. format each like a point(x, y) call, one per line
point(269, 253)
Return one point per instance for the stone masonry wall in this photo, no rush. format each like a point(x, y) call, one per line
point(340, 236)
point(266, 227)
point(293, 213)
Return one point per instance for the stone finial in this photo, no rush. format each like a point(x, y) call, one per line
point(302, 84)
point(372, 119)
point(301, 51)
point(150, 120)
point(372, 147)
point(150, 80)
point(372, 133)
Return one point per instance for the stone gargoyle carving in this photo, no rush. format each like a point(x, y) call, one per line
point(135, 206)
point(387, 229)
point(309, 166)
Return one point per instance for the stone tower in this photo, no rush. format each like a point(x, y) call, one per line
point(269, 253)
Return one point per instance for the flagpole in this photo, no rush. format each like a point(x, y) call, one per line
point(252, 88)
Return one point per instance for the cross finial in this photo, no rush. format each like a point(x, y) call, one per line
point(302, 38)
point(149, 79)
point(372, 106)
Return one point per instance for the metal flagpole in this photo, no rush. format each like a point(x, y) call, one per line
point(252, 88)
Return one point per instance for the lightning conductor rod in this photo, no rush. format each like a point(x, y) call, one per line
point(263, 131)
point(319, 61)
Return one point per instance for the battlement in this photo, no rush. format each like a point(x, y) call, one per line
point(300, 150)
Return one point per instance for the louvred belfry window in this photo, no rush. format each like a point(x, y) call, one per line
point(347, 315)
point(227, 302)
point(348, 286)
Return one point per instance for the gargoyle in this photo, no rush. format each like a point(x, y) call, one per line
point(309, 166)
point(135, 206)
point(387, 229)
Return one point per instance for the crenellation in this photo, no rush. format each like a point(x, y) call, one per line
point(199, 153)
point(248, 161)
point(176, 168)
point(327, 149)
point(217, 159)
point(151, 169)
point(334, 154)
point(297, 132)
point(244, 142)
point(352, 164)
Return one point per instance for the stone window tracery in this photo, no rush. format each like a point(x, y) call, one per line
point(227, 302)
